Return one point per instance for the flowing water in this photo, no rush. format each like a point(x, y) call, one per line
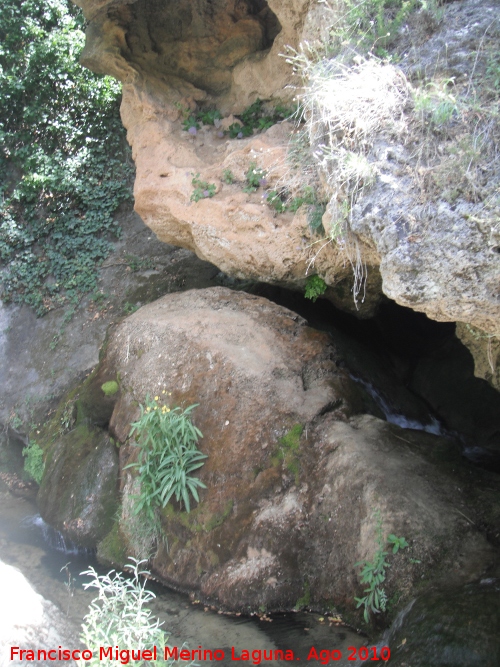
point(53, 566)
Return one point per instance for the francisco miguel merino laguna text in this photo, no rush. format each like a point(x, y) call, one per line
point(256, 656)
point(125, 656)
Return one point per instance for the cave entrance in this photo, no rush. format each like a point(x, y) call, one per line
point(412, 371)
point(199, 42)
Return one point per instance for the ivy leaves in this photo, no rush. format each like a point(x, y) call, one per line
point(63, 160)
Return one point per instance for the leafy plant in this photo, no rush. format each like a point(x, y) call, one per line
point(168, 456)
point(255, 177)
point(315, 215)
point(119, 616)
point(209, 116)
point(192, 120)
point(228, 176)
point(64, 165)
point(237, 131)
point(256, 118)
point(397, 543)
point(274, 201)
point(315, 287)
point(189, 124)
point(373, 573)
point(139, 263)
point(129, 308)
point(202, 189)
point(34, 463)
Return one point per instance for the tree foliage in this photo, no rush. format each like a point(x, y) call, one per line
point(63, 161)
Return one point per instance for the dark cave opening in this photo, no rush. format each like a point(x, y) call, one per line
point(416, 365)
point(198, 42)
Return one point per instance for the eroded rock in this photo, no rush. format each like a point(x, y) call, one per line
point(295, 480)
point(425, 232)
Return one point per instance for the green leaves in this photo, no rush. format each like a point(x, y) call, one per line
point(315, 287)
point(397, 542)
point(63, 162)
point(168, 457)
point(202, 189)
point(373, 573)
point(34, 463)
point(119, 615)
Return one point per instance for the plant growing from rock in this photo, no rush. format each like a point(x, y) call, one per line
point(34, 463)
point(202, 189)
point(373, 572)
point(119, 616)
point(228, 176)
point(315, 287)
point(168, 456)
point(255, 178)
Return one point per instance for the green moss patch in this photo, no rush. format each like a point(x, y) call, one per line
point(112, 549)
point(110, 388)
point(287, 451)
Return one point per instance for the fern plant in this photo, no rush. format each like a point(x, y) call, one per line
point(168, 456)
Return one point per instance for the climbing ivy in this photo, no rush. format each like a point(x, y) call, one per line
point(64, 166)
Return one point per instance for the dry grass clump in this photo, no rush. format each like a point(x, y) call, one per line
point(345, 107)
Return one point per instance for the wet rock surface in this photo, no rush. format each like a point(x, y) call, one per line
point(460, 629)
point(78, 495)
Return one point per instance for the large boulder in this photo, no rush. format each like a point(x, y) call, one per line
point(296, 482)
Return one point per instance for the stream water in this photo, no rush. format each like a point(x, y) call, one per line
point(53, 567)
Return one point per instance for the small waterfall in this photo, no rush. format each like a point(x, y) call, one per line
point(53, 537)
point(433, 426)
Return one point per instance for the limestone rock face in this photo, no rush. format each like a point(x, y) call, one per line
point(425, 229)
point(293, 476)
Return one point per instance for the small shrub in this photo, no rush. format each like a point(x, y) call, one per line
point(255, 177)
point(34, 464)
point(136, 264)
point(255, 117)
point(168, 456)
point(315, 287)
point(118, 616)
point(373, 573)
point(435, 104)
point(202, 189)
point(129, 308)
point(373, 24)
point(228, 176)
point(274, 200)
point(288, 451)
